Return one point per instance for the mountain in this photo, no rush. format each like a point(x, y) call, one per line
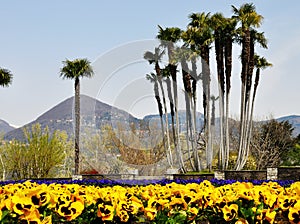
point(95, 113)
point(5, 127)
point(294, 120)
point(61, 117)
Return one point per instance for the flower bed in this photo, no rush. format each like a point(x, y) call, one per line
point(162, 202)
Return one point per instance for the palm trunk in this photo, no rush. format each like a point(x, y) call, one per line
point(159, 76)
point(160, 110)
point(220, 70)
point(194, 109)
point(213, 117)
point(252, 109)
point(3, 168)
point(178, 145)
point(77, 124)
point(248, 119)
point(168, 81)
point(245, 66)
point(167, 121)
point(206, 98)
point(188, 97)
point(228, 68)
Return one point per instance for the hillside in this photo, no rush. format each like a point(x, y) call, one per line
point(294, 120)
point(5, 127)
point(93, 114)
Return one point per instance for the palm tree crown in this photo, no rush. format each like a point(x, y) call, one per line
point(247, 15)
point(76, 69)
point(5, 77)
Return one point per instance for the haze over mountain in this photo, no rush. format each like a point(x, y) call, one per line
point(95, 113)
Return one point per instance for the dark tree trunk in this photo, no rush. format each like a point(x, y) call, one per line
point(228, 69)
point(77, 124)
point(245, 67)
point(219, 51)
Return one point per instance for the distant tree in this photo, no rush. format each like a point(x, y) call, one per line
point(42, 155)
point(271, 141)
point(76, 69)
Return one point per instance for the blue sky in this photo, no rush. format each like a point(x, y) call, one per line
point(36, 36)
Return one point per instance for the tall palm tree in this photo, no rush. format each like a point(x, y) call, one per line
point(155, 58)
point(76, 70)
point(255, 37)
point(182, 55)
point(5, 80)
point(224, 35)
point(168, 37)
point(230, 37)
point(249, 19)
point(217, 22)
point(199, 24)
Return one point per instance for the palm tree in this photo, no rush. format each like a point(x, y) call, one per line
point(168, 37)
point(259, 63)
point(5, 77)
point(153, 79)
point(75, 70)
point(156, 58)
point(199, 24)
point(224, 35)
point(182, 55)
point(217, 22)
point(5, 80)
point(248, 18)
point(230, 37)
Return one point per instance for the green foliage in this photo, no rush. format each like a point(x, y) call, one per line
point(292, 157)
point(42, 155)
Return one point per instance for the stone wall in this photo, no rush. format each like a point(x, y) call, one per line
point(245, 175)
point(193, 176)
point(288, 173)
point(280, 173)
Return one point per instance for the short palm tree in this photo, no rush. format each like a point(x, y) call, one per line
point(75, 70)
point(5, 77)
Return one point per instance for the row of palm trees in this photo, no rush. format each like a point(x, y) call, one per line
point(203, 32)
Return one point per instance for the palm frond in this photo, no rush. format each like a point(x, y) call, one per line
point(5, 77)
point(76, 69)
